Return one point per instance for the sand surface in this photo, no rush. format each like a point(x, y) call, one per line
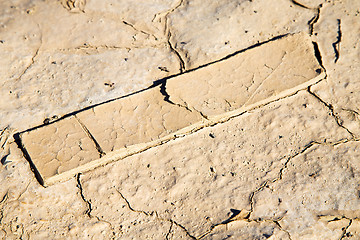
point(186, 119)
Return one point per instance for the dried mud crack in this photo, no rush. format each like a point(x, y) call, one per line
point(336, 117)
point(167, 32)
point(299, 4)
point(33, 57)
point(163, 17)
point(245, 217)
point(305, 149)
point(248, 110)
point(87, 202)
point(345, 234)
point(173, 49)
point(314, 20)
point(88, 211)
point(82, 122)
point(129, 206)
point(336, 44)
point(86, 130)
point(167, 99)
point(156, 215)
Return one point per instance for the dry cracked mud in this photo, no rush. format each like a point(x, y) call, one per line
point(180, 119)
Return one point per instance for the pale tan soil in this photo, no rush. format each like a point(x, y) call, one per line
point(117, 129)
point(262, 144)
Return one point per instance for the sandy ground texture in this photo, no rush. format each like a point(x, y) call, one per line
point(190, 119)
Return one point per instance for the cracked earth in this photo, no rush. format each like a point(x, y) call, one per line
point(180, 119)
